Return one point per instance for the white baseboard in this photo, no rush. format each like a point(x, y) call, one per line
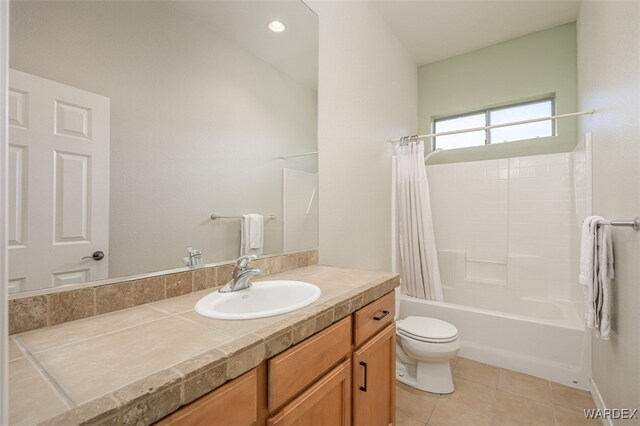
point(597, 398)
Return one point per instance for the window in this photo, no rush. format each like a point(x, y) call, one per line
point(491, 117)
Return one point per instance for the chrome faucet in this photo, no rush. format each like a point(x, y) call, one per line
point(242, 275)
point(194, 259)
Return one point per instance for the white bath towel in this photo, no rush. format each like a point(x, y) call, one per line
point(596, 271)
point(587, 265)
point(605, 274)
point(587, 244)
point(252, 234)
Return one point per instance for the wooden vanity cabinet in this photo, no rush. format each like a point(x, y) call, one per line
point(341, 376)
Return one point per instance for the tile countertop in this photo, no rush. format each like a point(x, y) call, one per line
point(137, 365)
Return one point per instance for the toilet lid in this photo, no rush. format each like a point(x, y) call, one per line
point(428, 329)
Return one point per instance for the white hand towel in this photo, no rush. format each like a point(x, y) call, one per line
point(596, 271)
point(588, 247)
point(252, 234)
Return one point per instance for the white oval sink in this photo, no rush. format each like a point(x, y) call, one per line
point(263, 299)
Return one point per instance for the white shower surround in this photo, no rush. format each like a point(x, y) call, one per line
point(506, 221)
point(507, 238)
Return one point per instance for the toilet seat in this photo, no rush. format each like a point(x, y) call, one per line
point(428, 330)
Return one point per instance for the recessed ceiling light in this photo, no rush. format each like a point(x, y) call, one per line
point(276, 26)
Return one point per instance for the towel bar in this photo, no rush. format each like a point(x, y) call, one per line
point(215, 216)
point(634, 223)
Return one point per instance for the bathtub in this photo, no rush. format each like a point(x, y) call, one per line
point(539, 337)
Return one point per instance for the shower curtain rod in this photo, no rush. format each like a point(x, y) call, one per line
point(304, 154)
point(495, 126)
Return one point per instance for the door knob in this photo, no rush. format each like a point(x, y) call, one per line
point(97, 255)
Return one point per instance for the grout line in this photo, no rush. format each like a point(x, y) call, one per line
point(95, 336)
point(180, 384)
point(182, 375)
point(22, 352)
point(216, 330)
point(212, 329)
point(433, 409)
point(164, 287)
point(553, 403)
point(494, 400)
point(21, 346)
point(57, 389)
point(179, 316)
point(62, 394)
point(155, 308)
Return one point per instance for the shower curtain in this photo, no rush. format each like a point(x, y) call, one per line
point(418, 256)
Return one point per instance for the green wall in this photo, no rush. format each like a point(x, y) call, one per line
point(527, 67)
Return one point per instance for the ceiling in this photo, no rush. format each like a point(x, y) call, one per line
point(244, 23)
point(433, 30)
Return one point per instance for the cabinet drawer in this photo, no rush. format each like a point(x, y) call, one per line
point(373, 318)
point(327, 402)
point(294, 370)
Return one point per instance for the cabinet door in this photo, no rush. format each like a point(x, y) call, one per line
point(374, 380)
point(240, 402)
point(326, 403)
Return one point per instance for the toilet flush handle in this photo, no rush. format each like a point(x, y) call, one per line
point(379, 317)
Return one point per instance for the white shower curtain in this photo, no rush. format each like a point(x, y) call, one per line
point(418, 256)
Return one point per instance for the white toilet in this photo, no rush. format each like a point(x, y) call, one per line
point(424, 348)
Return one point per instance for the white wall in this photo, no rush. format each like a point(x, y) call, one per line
point(367, 95)
point(197, 123)
point(609, 82)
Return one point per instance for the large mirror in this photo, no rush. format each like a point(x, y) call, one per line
point(133, 122)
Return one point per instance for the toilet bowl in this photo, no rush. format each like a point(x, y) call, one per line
point(424, 348)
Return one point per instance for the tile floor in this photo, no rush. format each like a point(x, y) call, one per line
point(487, 395)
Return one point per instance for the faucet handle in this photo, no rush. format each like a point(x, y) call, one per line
point(243, 261)
point(250, 272)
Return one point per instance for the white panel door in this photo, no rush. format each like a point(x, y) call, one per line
point(299, 209)
point(58, 185)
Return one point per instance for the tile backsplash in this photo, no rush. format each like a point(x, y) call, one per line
point(29, 311)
